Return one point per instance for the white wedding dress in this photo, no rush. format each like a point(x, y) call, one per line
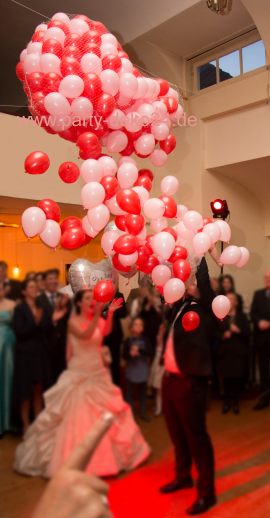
point(81, 395)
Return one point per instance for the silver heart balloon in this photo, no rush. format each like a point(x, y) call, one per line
point(83, 274)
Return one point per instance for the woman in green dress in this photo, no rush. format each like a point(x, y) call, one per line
point(7, 345)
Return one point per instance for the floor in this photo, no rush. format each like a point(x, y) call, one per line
point(242, 446)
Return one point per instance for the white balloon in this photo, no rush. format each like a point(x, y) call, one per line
point(107, 241)
point(163, 244)
point(142, 193)
point(55, 33)
point(33, 221)
point(154, 208)
point(193, 220)
point(88, 229)
point(173, 290)
point(225, 231)
point(221, 306)
point(109, 38)
point(98, 217)
point(128, 260)
point(49, 63)
point(108, 165)
point(201, 243)
point(91, 170)
point(92, 194)
point(231, 255)
point(31, 63)
point(78, 26)
point(34, 47)
point(245, 256)
point(161, 274)
point(91, 63)
point(157, 225)
point(114, 207)
point(71, 86)
point(127, 175)
point(169, 185)
point(181, 211)
point(213, 231)
point(62, 17)
point(51, 234)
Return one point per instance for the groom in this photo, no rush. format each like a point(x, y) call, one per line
point(187, 368)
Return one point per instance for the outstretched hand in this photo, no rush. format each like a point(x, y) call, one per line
point(116, 304)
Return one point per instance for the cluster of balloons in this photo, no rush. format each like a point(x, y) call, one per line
point(82, 86)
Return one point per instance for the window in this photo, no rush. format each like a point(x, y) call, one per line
point(253, 56)
point(231, 65)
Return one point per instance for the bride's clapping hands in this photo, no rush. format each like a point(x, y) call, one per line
point(116, 304)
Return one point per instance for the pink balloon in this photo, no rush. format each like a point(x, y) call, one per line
point(34, 47)
point(142, 193)
point(146, 111)
point(108, 165)
point(145, 144)
point(109, 38)
point(125, 160)
point(173, 290)
point(92, 194)
point(184, 235)
point(55, 33)
point(114, 207)
point(181, 211)
point(108, 48)
point(91, 170)
point(160, 110)
point(49, 63)
point(245, 256)
point(91, 63)
point(225, 231)
point(128, 260)
point(158, 157)
point(126, 65)
point(60, 123)
point(51, 234)
point(71, 86)
point(231, 255)
point(160, 130)
point(141, 88)
point(31, 63)
point(128, 85)
point(201, 243)
point(163, 244)
point(169, 185)
point(99, 217)
point(142, 235)
point(213, 231)
point(117, 141)
point(81, 108)
point(62, 17)
point(161, 274)
point(116, 120)
point(78, 26)
point(88, 229)
point(107, 241)
point(133, 122)
point(193, 220)
point(154, 208)
point(221, 306)
point(110, 81)
point(56, 104)
point(177, 115)
point(33, 221)
point(127, 175)
point(157, 225)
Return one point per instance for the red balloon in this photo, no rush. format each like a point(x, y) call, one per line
point(72, 40)
point(87, 141)
point(149, 264)
point(163, 86)
point(71, 51)
point(98, 26)
point(129, 149)
point(51, 209)
point(129, 201)
point(60, 25)
point(171, 231)
point(126, 244)
point(111, 61)
point(143, 254)
point(69, 172)
point(134, 224)
point(91, 153)
point(190, 321)
point(119, 266)
point(144, 181)
point(53, 46)
point(73, 238)
point(148, 242)
point(36, 163)
point(123, 54)
point(105, 105)
point(20, 71)
point(170, 206)
point(69, 66)
point(104, 291)
point(70, 222)
point(69, 134)
point(136, 72)
point(91, 48)
point(35, 81)
point(146, 172)
point(120, 222)
point(38, 36)
point(85, 18)
point(171, 104)
point(51, 82)
point(37, 103)
point(92, 87)
point(181, 269)
point(110, 185)
point(168, 144)
point(179, 253)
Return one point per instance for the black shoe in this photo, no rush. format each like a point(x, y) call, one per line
point(261, 404)
point(225, 409)
point(201, 505)
point(236, 409)
point(176, 485)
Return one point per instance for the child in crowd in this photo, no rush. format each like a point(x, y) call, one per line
point(137, 353)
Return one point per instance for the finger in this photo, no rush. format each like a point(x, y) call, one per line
point(81, 455)
point(98, 485)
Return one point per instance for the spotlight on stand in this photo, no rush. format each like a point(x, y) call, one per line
point(219, 209)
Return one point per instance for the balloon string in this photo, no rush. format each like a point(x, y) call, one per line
point(29, 9)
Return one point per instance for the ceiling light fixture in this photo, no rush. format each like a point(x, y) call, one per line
point(220, 6)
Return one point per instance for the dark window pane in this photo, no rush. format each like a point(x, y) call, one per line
point(207, 75)
point(229, 66)
point(253, 56)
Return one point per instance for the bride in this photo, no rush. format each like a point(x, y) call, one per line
point(79, 398)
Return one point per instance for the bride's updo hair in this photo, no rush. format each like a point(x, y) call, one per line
point(78, 299)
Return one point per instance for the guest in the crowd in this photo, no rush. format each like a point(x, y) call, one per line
point(30, 276)
point(215, 285)
point(114, 340)
point(227, 285)
point(260, 315)
point(56, 310)
point(11, 286)
point(232, 354)
point(30, 359)
point(148, 307)
point(157, 371)
point(7, 345)
point(40, 280)
point(137, 353)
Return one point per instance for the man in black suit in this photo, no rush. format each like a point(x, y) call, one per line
point(115, 339)
point(56, 309)
point(11, 286)
point(185, 386)
point(260, 314)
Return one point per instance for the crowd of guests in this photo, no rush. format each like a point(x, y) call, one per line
point(34, 317)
